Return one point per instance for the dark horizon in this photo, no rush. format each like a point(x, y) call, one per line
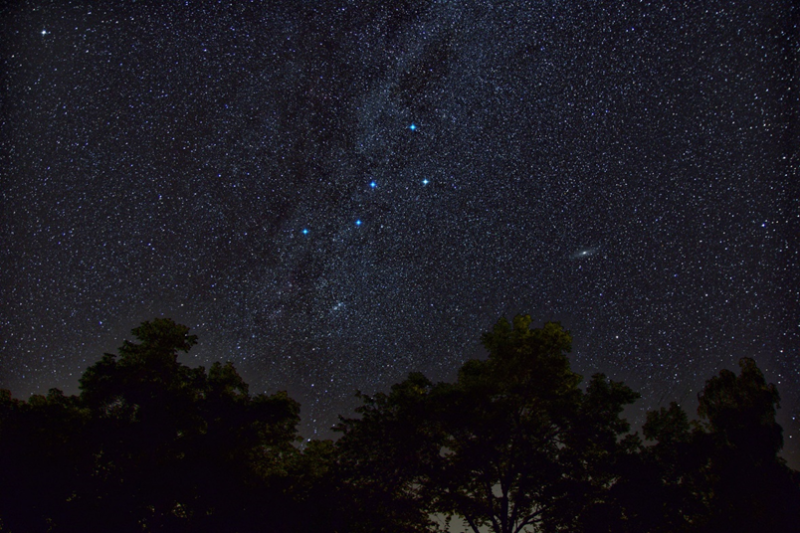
point(513, 444)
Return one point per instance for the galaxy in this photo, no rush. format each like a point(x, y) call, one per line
point(583, 253)
point(334, 194)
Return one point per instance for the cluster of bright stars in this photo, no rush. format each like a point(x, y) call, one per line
point(374, 185)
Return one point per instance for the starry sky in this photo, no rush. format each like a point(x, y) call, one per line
point(333, 194)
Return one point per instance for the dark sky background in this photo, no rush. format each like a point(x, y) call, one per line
point(333, 194)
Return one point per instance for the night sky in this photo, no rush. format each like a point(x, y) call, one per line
point(334, 194)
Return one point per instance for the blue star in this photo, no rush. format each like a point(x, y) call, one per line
point(412, 127)
point(358, 222)
point(305, 231)
point(425, 182)
point(373, 184)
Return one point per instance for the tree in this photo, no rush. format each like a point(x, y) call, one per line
point(598, 450)
point(149, 445)
point(740, 412)
point(659, 490)
point(720, 472)
point(42, 460)
point(175, 445)
point(384, 459)
point(504, 424)
point(514, 445)
point(747, 486)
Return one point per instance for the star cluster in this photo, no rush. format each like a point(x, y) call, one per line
point(333, 194)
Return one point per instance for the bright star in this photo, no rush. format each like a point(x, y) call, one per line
point(358, 222)
point(373, 184)
point(305, 231)
point(44, 32)
point(412, 127)
point(425, 182)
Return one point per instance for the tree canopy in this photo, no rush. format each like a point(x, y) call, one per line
point(517, 443)
point(150, 444)
point(514, 445)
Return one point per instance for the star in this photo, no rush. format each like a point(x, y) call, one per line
point(531, 174)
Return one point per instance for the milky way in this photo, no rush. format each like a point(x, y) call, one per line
point(333, 194)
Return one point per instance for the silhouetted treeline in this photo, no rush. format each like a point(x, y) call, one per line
point(515, 444)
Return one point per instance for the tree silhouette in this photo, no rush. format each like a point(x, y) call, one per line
point(42, 459)
point(150, 445)
point(514, 445)
point(746, 485)
point(383, 457)
point(718, 473)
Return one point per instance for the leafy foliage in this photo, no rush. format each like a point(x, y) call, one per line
point(150, 444)
point(721, 472)
point(746, 485)
point(515, 444)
